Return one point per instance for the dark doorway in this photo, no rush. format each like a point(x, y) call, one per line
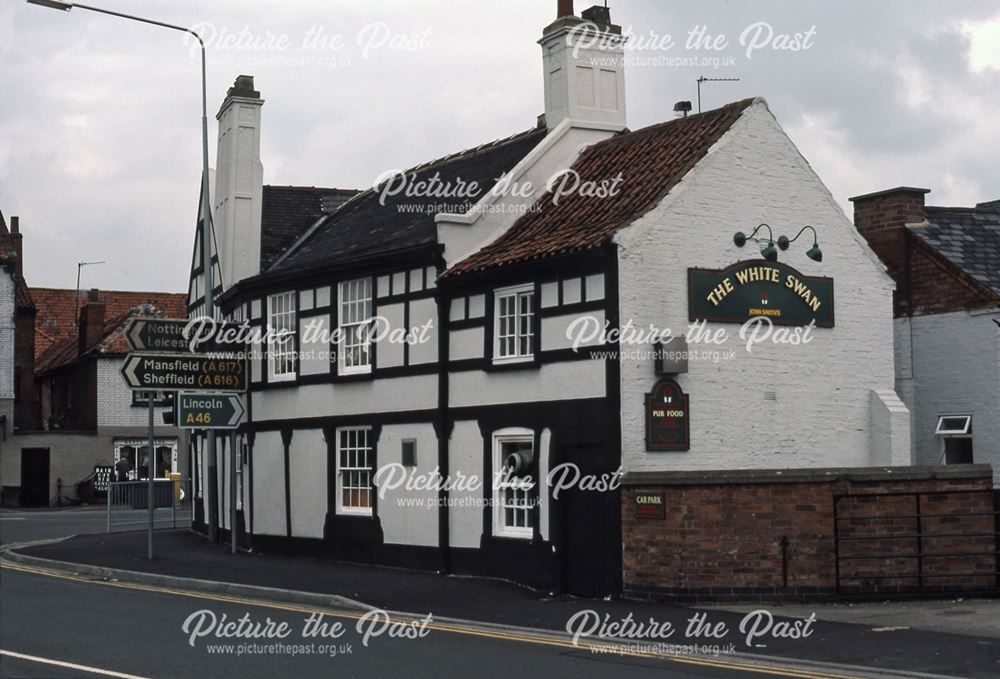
point(34, 477)
point(591, 525)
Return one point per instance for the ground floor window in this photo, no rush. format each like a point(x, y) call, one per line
point(136, 453)
point(956, 435)
point(354, 470)
point(513, 455)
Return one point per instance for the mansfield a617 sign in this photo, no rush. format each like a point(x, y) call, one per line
point(755, 288)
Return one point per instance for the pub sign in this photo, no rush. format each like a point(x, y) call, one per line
point(667, 421)
point(756, 287)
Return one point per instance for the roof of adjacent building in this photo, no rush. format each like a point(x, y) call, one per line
point(288, 211)
point(58, 308)
point(366, 225)
point(649, 161)
point(8, 255)
point(969, 237)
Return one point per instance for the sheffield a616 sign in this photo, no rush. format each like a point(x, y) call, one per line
point(668, 424)
point(757, 287)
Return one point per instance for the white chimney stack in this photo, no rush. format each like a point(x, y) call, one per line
point(584, 61)
point(239, 183)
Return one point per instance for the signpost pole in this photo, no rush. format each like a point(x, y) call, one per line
point(232, 488)
point(149, 473)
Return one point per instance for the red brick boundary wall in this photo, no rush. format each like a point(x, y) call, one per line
point(770, 534)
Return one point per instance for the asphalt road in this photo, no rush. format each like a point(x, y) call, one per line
point(23, 526)
point(64, 626)
point(139, 631)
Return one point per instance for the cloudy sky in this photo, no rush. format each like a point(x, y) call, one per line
point(100, 117)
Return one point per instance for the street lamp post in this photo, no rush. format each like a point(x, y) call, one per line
point(206, 232)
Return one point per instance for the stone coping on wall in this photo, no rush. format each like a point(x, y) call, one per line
point(814, 475)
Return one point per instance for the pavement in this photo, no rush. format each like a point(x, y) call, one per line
point(186, 560)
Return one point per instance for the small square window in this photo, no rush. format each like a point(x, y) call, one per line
point(954, 425)
point(409, 453)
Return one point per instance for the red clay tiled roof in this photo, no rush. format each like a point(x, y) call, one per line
point(58, 308)
point(651, 162)
point(55, 324)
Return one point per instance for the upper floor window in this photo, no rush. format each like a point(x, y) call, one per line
point(513, 324)
point(354, 313)
point(281, 352)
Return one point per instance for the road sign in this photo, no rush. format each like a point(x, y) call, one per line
point(167, 334)
point(210, 411)
point(178, 372)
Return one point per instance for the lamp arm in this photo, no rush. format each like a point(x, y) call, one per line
point(815, 235)
point(770, 234)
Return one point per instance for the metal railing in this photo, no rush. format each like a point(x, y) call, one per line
point(904, 533)
point(128, 504)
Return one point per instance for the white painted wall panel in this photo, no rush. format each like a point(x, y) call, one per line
point(268, 484)
point(569, 379)
point(408, 517)
point(422, 311)
point(821, 415)
point(465, 455)
point(308, 482)
point(466, 343)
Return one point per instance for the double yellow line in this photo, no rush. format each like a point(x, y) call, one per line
point(526, 637)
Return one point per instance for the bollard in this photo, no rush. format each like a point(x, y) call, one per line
point(176, 478)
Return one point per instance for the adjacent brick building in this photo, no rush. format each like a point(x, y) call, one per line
point(946, 264)
point(63, 403)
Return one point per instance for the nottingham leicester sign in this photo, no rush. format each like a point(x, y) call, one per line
point(756, 288)
point(668, 425)
point(180, 372)
point(167, 334)
point(210, 411)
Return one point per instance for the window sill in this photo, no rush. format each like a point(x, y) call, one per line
point(513, 363)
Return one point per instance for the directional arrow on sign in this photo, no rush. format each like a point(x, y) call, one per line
point(210, 411)
point(179, 372)
point(167, 334)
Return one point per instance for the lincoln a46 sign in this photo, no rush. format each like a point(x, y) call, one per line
point(757, 287)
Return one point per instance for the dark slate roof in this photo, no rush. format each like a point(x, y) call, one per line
point(364, 227)
point(288, 211)
point(651, 161)
point(968, 237)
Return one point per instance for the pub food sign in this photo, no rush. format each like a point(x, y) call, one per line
point(667, 422)
point(754, 288)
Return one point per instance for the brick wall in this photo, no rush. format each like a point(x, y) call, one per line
point(757, 534)
point(926, 282)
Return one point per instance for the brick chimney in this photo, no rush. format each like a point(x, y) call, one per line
point(91, 321)
point(889, 209)
point(584, 69)
point(16, 243)
point(883, 219)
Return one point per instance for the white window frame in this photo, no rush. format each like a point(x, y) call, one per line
point(282, 353)
point(501, 499)
point(523, 340)
point(364, 468)
point(966, 430)
point(351, 317)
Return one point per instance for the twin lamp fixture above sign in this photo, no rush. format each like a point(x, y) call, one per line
point(770, 253)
